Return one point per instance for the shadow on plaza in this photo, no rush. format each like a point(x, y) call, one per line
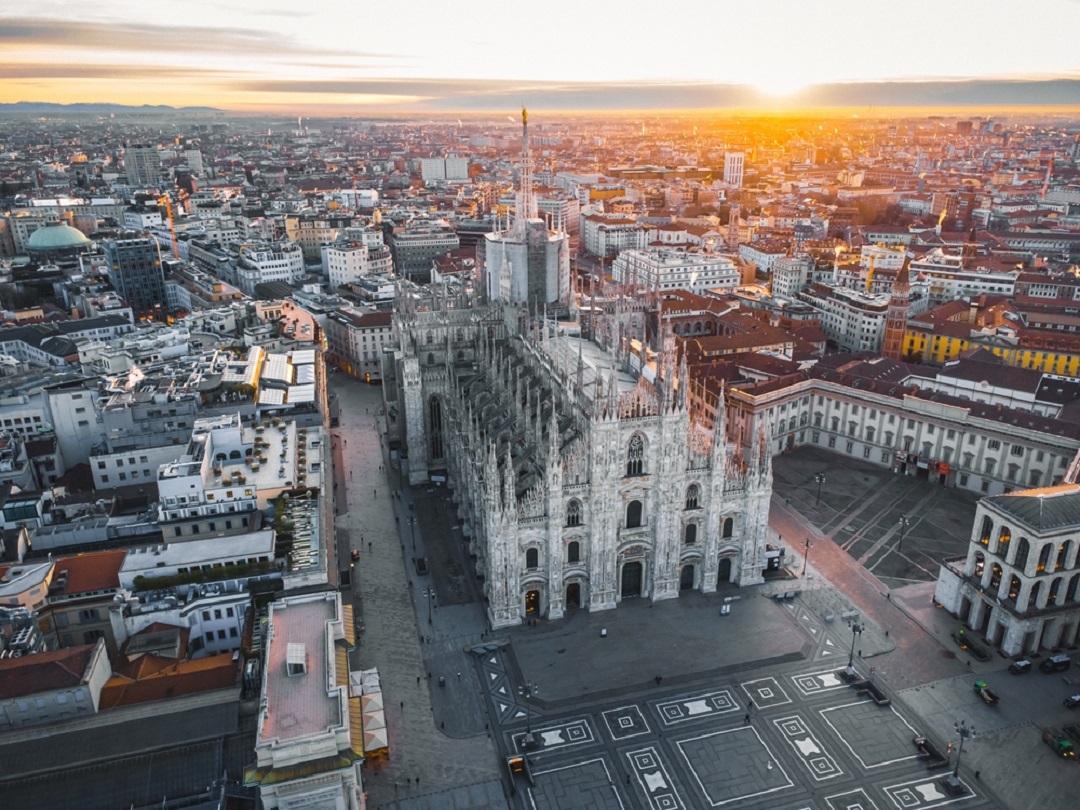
point(682, 641)
point(860, 506)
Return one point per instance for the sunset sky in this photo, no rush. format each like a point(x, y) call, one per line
point(553, 54)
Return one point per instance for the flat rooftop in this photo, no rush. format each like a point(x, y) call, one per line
point(299, 706)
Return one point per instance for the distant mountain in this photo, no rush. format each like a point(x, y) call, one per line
point(48, 108)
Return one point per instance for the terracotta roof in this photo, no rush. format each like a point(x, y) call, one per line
point(95, 571)
point(44, 672)
point(172, 679)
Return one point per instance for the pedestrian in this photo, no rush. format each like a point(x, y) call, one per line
point(369, 546)
point(459, 675)
point(750, 706)
point(628, 779)
point(442, 725)
point(746, 719)
point(374, 493)
point(658, 678)
point(977, 774)
point(418, 781)
point(417, 680)
point(886, 634)
point(403, 704)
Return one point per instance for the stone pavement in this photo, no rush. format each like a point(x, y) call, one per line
point(919, 658)
point(459, 771)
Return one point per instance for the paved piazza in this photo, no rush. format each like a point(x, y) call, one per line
point(806, 742)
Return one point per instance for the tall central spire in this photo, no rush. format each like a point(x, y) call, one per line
point(525, 204)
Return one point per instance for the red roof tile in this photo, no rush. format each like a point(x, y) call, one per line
point(94, 571)
point(44, 672)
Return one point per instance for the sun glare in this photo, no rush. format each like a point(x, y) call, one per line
point(779, 84)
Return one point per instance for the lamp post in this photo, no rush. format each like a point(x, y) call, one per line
point(964, 732)
point(429, 596)
point(856, 630)
point(527, 690)
point(905, 521)
point(806, 556)
point(820, 478)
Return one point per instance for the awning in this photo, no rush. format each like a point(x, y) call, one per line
point(374, 740)
point(374, 719)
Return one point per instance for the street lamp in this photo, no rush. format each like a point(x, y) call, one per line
point(856, 630)
point(429, 595)
point(527, 690)
point(964, 732)
point(806, 556)
point(905, 521)
point(820, 478)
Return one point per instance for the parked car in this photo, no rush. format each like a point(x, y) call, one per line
point(1072, 701)
point(1020, 667)
point(1056, 663)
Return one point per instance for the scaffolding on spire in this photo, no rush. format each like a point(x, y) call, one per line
point(525, 205)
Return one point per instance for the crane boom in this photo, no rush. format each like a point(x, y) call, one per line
point(164, 200)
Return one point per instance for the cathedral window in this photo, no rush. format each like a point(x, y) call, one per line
point(690, 537)
point(573, 552)
point(633, 514)
point(430, 359)
point(693, 497)
point(573, 513)
point(729, 528)
point(532, 558)
point(429, 337)
point(635, 456)
point(460, 334)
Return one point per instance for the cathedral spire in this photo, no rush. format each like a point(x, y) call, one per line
point(525, 204)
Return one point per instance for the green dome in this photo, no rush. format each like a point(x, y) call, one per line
point(56, 237)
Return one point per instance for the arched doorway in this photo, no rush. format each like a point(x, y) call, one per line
point(573, 595)
point(724, 572)
point(632, 576)
point(686, 578)
point(532, 603)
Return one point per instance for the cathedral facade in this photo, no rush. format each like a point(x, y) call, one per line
point(585, 472)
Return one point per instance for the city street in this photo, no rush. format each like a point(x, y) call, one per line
point(439, 755)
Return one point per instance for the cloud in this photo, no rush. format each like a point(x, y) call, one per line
point(48, 70)
point(32, 31)
point(479, 94)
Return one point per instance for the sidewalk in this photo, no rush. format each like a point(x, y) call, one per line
point(918, 647)
point(390, 641)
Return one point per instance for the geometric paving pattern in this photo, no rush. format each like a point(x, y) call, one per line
point(626, 722)
point(876, 736)
point(697, 706)
point(816, 683)
point(562, 735)
point(857, 799)
point(654, 779)
point(765, 692)
point(809, 750)
point(582, 784)
point(733, 766)
point(501, 691)
point(922, 794)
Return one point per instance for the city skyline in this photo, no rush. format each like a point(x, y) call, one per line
point(773, 55)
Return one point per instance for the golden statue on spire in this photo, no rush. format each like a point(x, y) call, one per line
point(524, 116)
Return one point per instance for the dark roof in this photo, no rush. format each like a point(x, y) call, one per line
point(44, 672)
point(1046, 509)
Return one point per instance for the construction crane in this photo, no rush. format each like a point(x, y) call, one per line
point(164, 200)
